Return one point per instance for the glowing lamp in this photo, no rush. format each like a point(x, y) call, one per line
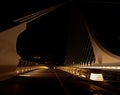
point(96, 77)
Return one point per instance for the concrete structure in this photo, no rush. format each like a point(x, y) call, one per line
point(83, 47)
point(9, 59)
point(102, 55)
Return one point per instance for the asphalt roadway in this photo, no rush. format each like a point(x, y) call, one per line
point(54, 82)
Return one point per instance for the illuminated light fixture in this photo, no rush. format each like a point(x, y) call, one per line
point(44, 67)
point(17, 71)
point(83, 76)
point(102, 67)
point(96, 77)
point(22, 70)
point(25, 75)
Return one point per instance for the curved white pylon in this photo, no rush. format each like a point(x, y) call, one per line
point(102, 55)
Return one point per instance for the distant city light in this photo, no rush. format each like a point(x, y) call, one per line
point(36, 57)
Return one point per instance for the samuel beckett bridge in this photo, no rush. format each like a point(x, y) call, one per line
point(92, 57)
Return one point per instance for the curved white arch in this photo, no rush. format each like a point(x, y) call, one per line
point(8, 55)
point(102, 55)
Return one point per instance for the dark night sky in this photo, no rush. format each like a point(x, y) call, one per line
point(14, 9)
point(104, 20)
point(46, 36)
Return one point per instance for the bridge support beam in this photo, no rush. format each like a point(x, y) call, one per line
point(102, 55)
point(8, 56)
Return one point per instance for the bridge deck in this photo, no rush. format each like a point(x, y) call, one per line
point(53, 82)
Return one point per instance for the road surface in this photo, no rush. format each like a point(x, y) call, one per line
point(51, 82)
